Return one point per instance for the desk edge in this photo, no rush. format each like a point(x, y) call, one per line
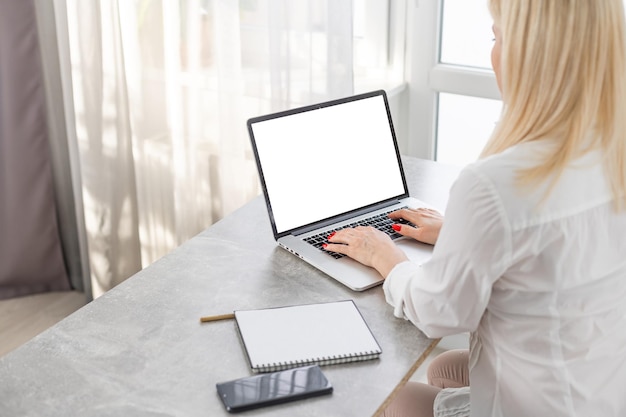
point(406, 377)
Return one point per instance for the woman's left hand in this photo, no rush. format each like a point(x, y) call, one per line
point(368, 246)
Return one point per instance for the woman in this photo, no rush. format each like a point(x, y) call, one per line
point(531, 257)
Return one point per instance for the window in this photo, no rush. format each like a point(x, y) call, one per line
point(455, 101)
point(466, 33)
point(464, 123)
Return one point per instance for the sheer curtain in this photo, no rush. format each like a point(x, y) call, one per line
point(161, 94)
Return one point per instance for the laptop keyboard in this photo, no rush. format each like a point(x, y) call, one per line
point(379, 221)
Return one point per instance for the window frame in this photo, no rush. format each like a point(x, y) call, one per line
point(427, 77)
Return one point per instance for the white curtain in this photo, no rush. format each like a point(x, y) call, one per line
point(161, 93)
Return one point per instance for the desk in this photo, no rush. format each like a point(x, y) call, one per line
point(140, 350)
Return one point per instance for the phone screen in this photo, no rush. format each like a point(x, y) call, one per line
point(273, 388)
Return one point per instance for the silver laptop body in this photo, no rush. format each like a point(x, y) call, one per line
point(328, 166)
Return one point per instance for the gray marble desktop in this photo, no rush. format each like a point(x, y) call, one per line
point(140, 350)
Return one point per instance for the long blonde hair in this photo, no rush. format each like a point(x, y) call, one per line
point(563, 75)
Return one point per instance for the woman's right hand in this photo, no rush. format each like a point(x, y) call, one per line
point(427, 224)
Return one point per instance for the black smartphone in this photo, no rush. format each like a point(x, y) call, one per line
point(273, 388)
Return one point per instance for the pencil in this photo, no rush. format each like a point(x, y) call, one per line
point(218, 317)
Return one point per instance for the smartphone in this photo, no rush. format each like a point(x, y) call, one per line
point(273, 388)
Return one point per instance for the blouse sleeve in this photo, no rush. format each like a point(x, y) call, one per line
point(449, 293)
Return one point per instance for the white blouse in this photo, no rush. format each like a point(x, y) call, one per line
point(539, 282)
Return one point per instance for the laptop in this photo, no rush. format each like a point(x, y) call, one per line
point(329, 166)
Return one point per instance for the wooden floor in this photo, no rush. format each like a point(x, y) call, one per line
point(23, 318)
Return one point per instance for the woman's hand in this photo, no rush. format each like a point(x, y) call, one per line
point(368, 246)
point(427, 221)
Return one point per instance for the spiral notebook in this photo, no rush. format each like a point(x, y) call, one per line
point(322, 333)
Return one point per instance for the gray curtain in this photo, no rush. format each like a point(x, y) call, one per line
point(31, 254)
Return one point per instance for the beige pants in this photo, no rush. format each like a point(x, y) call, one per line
point(448, 370)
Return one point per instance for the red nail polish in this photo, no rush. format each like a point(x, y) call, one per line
point(396, 227)
point(324, 245)
point(331, 235)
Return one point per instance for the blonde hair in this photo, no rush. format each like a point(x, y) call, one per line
point(563, 76)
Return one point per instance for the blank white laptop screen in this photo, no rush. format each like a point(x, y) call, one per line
point(327, 161)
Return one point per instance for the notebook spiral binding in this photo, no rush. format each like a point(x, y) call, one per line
point(355, 357)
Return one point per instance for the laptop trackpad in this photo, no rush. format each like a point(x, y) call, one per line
point(416, 251)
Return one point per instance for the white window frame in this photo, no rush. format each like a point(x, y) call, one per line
point(427, 77)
